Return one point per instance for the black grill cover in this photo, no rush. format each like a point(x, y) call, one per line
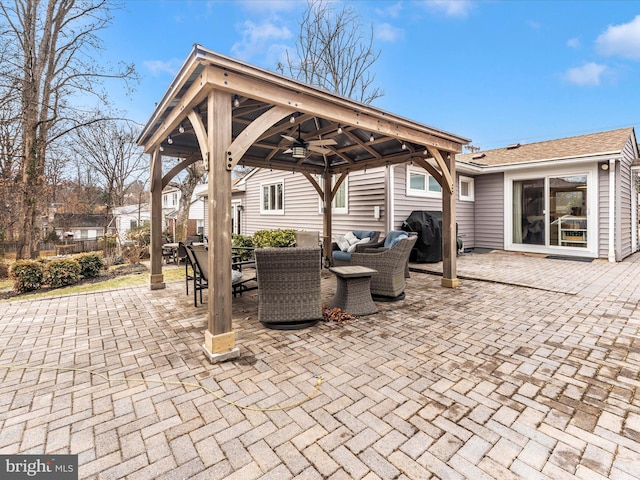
point(428, 226)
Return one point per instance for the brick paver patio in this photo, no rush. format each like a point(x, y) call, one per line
point(531, 369)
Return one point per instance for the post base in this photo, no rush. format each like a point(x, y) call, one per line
point(221, 357)
point(450, 282)
point(156, 281)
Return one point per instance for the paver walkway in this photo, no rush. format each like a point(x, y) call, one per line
point(531, 372)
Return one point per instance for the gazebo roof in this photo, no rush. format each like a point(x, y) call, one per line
point(364, 136)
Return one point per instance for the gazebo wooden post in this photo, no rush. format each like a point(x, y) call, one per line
point(326, 217)
point(449, 234)
point(156, 279)
point(220, 339)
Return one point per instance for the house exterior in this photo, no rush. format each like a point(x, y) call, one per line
point(574, 196)
point(128, 217)
point(80, 226)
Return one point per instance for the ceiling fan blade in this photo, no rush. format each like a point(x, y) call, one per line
point(291, 139)
point(288, 150)
point(328, 141)
point(318, 149)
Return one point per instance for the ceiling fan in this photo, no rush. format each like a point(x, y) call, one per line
point(299, 147)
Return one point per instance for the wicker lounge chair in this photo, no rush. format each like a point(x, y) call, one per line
point(389, 283)
point(288, 287)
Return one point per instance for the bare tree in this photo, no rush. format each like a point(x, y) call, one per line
point(49, 49)
point(195, 174)
point(107, 150)
point(333, 53)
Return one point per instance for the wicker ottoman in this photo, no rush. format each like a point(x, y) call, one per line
point(353, 293)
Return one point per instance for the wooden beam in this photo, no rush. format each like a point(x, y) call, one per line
point(156, 279)
point(313, 182)
point(195, 95)
point(429, 168)
point(449, 234)
point(200, 132)
point(219, 338)
point(177, 169)
point(435, 153)
point(325, 106)
point(251, 134)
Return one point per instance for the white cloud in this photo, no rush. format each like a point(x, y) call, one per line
point(157, 67)
point(258, 38)
point(574, 42)
point(392, 11)
point(622, 40)
point(589, 74)
point(388, 33)
point(451, 8)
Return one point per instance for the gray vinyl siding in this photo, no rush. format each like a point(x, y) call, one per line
point(302, 203)
point(365, 191)
point(405, 204)
point(603, 213)
point(489, 211)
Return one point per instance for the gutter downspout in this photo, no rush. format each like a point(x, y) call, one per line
point(612, 210)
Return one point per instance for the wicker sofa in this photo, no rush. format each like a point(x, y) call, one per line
point(288, 287)
point(391, 264)
point(341, 258)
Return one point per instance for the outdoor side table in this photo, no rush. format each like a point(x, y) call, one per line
point(353, 293)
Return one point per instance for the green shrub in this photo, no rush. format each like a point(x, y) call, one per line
point(274, 238)
point(61, 272)
point(4, 270)
point(90, 264)
point(26, 275)
point(238, 240)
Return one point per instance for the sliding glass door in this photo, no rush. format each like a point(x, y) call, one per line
point(550, 212)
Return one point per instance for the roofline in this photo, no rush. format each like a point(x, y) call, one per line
point(200, 55)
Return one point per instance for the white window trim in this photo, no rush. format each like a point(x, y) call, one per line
point(266, 184)
point(592, 210)
point(420, 193)
point(471, 182)
point(341, 210)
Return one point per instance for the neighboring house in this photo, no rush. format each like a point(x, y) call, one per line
point(572, 196)
point(129, 217)
point(79, 226)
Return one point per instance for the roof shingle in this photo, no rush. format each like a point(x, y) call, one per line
point(612, 141)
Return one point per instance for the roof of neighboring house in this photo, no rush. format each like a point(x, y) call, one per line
point(599, 143)
point(131, 209)
point(79, 220)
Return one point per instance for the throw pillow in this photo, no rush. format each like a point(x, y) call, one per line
point(343, 244)
point(352, 248)
point(396, 240)
point(351, 238)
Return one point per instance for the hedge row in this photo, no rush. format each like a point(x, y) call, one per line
point(30, 275)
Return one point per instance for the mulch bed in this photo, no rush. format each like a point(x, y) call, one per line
point(103, 276)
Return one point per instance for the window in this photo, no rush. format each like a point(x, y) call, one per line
point(133, 224)
point(340, 202)
point(272, 198)
point(421, 184)
point(465, 189)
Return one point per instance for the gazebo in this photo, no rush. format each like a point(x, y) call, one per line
point(228, 113)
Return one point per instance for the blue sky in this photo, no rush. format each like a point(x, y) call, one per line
point(498, 72)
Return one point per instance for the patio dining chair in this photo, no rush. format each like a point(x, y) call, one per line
point(198, 255)
point(289, 294)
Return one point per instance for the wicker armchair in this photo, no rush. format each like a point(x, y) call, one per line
point(389, 283)
point(288, 287)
